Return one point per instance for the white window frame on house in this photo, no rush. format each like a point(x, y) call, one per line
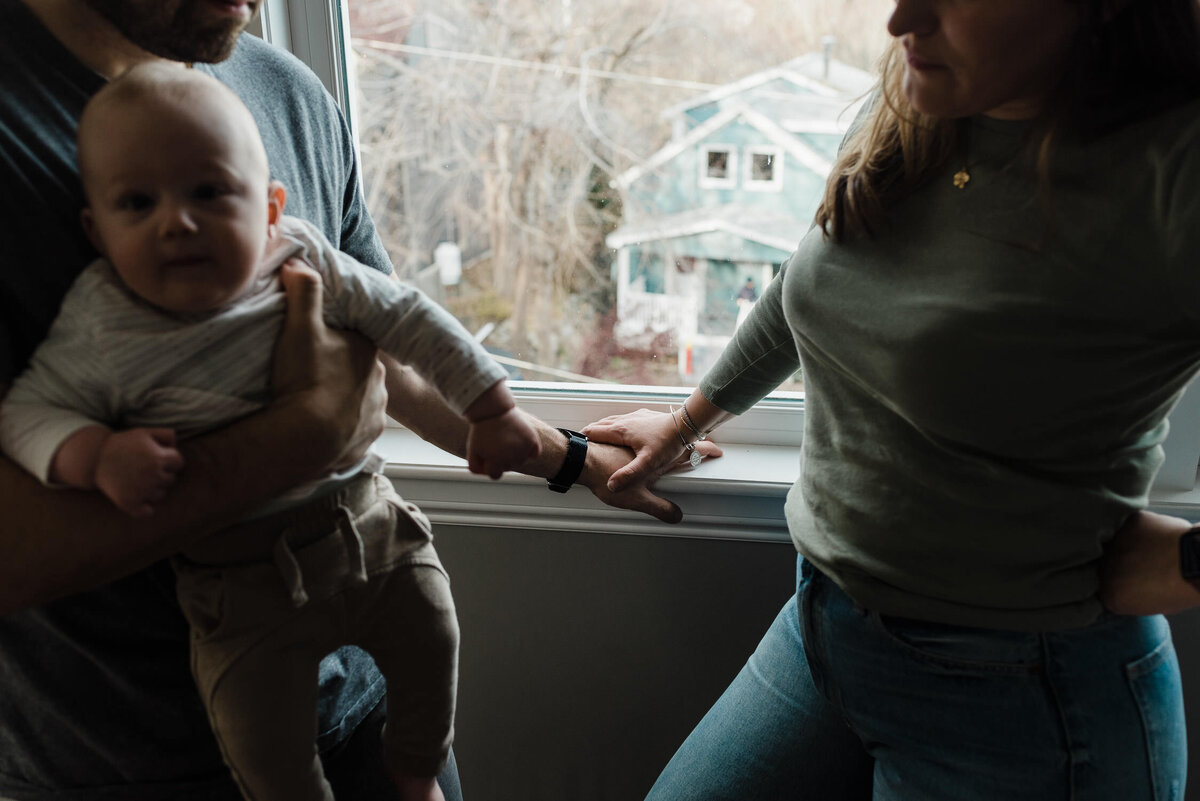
point(707, 181)
point(752, 184)
point(739, 496)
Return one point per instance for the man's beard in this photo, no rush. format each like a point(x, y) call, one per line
point(171, 28)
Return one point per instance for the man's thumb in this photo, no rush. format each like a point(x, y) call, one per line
point(303, 287)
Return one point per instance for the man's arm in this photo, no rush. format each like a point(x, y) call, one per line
point(328, 408)
point(417, 405)
point(1140, 572)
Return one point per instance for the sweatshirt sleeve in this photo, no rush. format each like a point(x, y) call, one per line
point(403, 321)
point(760, 357)
point(63, 389)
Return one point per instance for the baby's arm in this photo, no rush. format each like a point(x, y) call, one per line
point(499, 437)
point(412, 329)
point(134, 468)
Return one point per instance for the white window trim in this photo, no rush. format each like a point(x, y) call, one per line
point(777, 162)
point(313, 31)
point(707, 181)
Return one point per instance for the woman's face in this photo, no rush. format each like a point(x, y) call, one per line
point(995, 57)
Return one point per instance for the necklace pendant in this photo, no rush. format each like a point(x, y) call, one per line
point(695, 458)
point(961, 178)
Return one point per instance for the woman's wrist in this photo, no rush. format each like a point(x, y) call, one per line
point(700, 416)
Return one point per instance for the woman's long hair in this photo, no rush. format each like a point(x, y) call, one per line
point(1127, 66)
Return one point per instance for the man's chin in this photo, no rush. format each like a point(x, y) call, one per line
point(210, 49)
point(203, 31)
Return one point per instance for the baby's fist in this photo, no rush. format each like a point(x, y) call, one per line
point(135, 468)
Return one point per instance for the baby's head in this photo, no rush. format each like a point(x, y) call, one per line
point(179, 197)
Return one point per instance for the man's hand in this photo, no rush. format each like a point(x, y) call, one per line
point(1140, 572)
point(655, 440)
point(501, 443)
point(332, 377)
point(603, 460)
point(135, 468)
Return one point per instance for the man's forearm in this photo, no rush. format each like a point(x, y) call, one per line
point(57, 542)
point(414, 403)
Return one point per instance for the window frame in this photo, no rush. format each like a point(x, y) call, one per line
point(314, 31)
point(749, 182)
point(705, 180)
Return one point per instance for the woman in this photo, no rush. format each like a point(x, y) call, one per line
point(994, 314)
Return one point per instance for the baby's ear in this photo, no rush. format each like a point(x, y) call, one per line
point(276, 200)
point(89, 228)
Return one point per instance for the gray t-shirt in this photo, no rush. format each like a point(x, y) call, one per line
point(96, 699)
point(987, 384)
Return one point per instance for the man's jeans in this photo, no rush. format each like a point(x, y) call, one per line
point(840, 702)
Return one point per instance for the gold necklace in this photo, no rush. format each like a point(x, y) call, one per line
point(963, 176)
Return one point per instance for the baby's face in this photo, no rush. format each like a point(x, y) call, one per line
point(178, 201)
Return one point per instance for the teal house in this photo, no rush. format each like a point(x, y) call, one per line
point(726, 200)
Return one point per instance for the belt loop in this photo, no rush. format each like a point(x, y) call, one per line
point(354, 545)
point(289, 569)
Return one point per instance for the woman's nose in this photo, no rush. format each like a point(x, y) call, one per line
point(917, 17)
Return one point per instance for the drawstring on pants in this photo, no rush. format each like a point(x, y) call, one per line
point(289, 567)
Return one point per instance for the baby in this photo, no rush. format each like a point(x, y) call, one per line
point(171, 334)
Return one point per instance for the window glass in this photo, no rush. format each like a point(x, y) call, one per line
point(602, 190)
point(762, 167)
point(718, 164)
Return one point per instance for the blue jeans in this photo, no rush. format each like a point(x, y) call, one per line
point(355, 768)
point(839, 702)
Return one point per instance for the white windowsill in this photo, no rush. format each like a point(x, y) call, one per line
point(738, 496)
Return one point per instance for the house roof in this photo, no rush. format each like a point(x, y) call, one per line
point(756, 224)
point(775, 133)
point(833, 93)
point(838, 82)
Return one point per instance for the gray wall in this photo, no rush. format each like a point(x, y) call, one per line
point(586, 659)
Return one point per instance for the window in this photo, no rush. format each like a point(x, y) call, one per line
point(573, 150)
point(718, 165)
point(764, 169)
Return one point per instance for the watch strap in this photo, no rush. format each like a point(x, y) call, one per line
point(572, 464)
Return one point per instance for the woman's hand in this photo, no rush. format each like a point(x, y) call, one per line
point(654, 440)
point(1140, 572)
point(332, 378)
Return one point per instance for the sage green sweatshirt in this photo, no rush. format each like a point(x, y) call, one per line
point(988, 376)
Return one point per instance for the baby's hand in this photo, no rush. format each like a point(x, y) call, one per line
point(135, 468)
point(500, 443)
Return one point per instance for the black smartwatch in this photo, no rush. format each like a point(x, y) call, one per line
point(1189, 554)
point(572, 464)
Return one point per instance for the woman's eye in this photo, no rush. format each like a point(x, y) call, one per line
point(134, 201)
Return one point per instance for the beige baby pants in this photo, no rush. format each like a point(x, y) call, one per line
point(354, 567)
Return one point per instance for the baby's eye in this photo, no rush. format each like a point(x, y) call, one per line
point(209, 191)
point(134, 201)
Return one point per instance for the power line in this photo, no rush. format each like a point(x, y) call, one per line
point(479, 58)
